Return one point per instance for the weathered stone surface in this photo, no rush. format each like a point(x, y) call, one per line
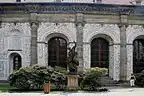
point(123, 52)
point(72, 81)
point(14, 38)
point(112, 34)
point(47, 31)
point(16, 33)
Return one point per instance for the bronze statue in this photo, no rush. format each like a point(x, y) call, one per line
point(72, 61)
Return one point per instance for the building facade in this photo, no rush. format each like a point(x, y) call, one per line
point(110, 36)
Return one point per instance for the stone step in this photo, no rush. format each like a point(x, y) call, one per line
point(3, 81)
point(107, 81)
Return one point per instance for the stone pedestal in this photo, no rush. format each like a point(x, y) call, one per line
point(72, 81)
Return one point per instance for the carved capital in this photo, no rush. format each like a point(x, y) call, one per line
point(79, 20)
point(80, 24)
point(122, 25)
point(34, 24)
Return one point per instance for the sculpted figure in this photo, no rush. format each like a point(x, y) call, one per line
point(72, 61)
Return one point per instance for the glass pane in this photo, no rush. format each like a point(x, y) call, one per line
point(99, 53)
point(138, 55)
point(16, 62)
point(57, 52)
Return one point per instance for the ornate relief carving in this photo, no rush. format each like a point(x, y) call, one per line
point(1, 69)
point(45, 29)
point(66, 8)
point(19, 32)
point(34, 24)
point(134, 31)
point(86, 55)
point(110, 30)
point(116, 59)
point(68, 29)
point(129, 61)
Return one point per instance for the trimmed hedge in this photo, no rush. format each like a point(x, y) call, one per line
point(91, 78)
point(33, 77)
point(140, 79)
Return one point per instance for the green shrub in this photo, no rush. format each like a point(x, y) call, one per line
point(58, 80)
point(60, 70)
point(140, 79)
point(33, 77)
point(91, 78)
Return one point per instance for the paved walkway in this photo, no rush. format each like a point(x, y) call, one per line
point(111, 92)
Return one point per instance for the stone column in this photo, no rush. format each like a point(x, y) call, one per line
point(79, 27)
point(34, 27)
point(123, 52)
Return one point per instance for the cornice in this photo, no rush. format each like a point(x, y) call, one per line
point(41, 8)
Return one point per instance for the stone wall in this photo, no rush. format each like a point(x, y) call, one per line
point(133, 32)
point(10, 33)
point(78, 22)
point(14, 38)
point(47, 31)
point(111, 33)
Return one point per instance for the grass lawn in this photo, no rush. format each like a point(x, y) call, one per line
point(4, 87)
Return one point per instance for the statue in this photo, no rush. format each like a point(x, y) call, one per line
point(72, 61)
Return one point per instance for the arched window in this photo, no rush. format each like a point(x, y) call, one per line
point(138, 55)
point(16, 62)
point(99, 53)
point(57, 52)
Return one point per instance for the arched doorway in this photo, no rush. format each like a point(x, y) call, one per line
point(57, 52)
point(15, 61)
point(100, 53)
point(138, 55)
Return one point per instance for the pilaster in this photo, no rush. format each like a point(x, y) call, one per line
point(86, 55)
point(34, 27)
point(129, 60)
point(79, 27)
point(116, 62)
point(123, 52)
point(42, 53)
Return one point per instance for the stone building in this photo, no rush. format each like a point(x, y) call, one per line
point(110, 36)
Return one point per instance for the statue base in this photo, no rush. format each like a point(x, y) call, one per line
point(72, 81)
